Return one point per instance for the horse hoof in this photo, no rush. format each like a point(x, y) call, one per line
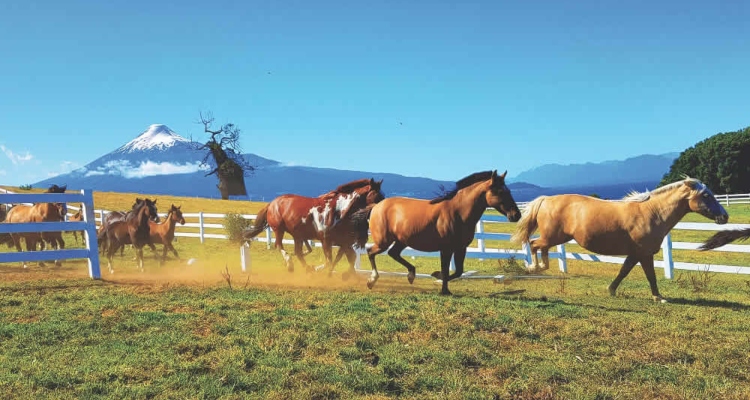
point(659, 299)
point(437, 275)
point(446, 292)
point(612, 291)
point(370, 284)
point(410, 277)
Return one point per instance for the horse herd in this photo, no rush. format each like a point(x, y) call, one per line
point(347, 216)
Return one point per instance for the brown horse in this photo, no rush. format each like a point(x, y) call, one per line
point(133, 230)
point(634, 227)
point(164, 232)
point(446, 224)
point(113, 216)
point(307, 218)
point(724, 237)
point(39, 212)
point(77, 217)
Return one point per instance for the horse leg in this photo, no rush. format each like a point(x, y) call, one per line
point(309, 248)
point(395, 253)
point(459, 255)
point(60, 246)
point(351, 257)
point(371, 253)
point(627, 266)
point(539, 243)
point(279, 244)
point(300, 256)
point(139, 255)
point(445, 267)
point(647, 263)
point(177, 256)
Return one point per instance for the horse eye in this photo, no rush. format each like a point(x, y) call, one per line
point(705, 195)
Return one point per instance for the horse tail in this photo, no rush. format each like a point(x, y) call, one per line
point(360, 223)
point(723, 237)
point(527, 224)
point(261, 223)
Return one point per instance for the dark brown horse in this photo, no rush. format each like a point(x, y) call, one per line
point(134, 229)
point(446, 224)
point(163, 232)
point(114, 216)
point(307, 218)
point(634, 227)
point(39, 212)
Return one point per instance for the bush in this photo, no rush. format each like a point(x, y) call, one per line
point(234, 224)
point(512, 266)
point(25, 187)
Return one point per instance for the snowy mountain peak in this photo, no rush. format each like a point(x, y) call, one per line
point(156, 137)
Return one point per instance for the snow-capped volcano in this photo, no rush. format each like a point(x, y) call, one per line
point(156, 137)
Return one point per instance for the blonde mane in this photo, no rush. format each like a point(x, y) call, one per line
point(638, 197)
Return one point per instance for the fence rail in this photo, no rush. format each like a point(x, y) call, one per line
point(88, 226)
point(481, 251)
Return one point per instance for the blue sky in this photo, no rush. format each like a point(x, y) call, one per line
point(432, 89)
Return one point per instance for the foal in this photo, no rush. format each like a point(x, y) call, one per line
point(164, 232)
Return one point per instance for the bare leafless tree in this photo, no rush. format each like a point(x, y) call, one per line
point(229, 164)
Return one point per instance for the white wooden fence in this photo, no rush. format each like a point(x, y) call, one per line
point(88, 226)
point(481, 251)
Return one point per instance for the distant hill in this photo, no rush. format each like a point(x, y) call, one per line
point(159, 161)
point(643, 168)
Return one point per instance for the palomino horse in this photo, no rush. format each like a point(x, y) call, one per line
point(446, 224)
point(39, 212)
point(164, 232)
point(133, 230)
point(307, 218)
point(724, 237)
point(113, 216)
point(634, 227)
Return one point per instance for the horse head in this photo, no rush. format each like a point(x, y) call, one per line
point(153, 211)
point(374, 195)
point(177, 214)
point(702, 201)
point(498, 196)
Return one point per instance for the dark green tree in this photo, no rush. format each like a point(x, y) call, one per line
point(229, 166)
point(721, 161)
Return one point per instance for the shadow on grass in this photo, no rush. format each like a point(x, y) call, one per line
point(730, 305)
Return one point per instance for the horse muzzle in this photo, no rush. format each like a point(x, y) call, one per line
point(721, 219)
point(514, 216)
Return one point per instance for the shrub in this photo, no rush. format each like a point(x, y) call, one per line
point(234, 224)
point(25, 187)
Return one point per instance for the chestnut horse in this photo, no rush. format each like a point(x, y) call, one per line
point(634, 227)
point(39, 212)
point(307, 218)
point(134, 229)
point(723, 237)
point(164, 232)
point(446, 224)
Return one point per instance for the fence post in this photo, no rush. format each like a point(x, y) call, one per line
point(200, 227)
point(101, 222)
point(268, 238)
point(527, 249)
point(563, 260)
point(90, 234)
point(726, 196)
point(480, 241)
point(245, 259)
point(668, 263)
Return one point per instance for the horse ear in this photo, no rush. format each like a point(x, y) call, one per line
point(504, 174)
point(380, 182)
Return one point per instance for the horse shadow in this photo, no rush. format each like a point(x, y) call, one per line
point(730, 305)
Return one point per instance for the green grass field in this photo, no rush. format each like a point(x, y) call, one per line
point(181, 331)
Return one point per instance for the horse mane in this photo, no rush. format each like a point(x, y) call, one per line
point(638, 197)
point(463, 183)
point(57, 189)
point(351, 186)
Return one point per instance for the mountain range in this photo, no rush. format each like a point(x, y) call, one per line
point(159, 161)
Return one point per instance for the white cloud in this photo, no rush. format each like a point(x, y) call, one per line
point(145, 168)
point(16, 158)
point(150, 168)
point(65, 167)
